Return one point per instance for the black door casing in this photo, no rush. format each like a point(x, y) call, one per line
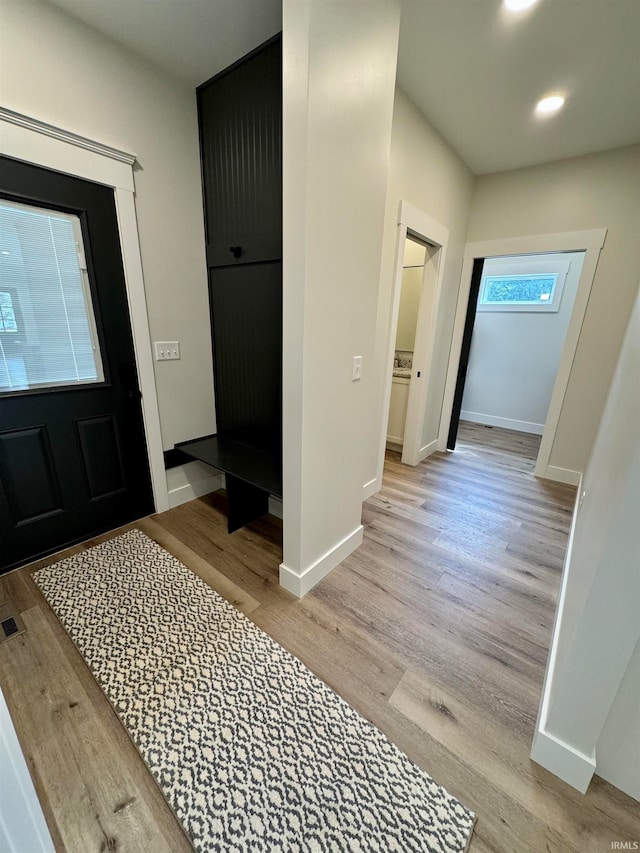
point(470, 319)
point(73, 461)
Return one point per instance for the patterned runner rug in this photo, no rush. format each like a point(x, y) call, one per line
point(252, 751)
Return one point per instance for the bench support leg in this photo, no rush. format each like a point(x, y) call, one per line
point(245, 503)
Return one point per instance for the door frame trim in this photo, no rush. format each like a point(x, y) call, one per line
point(590, 242)
point(413, 220)
point(12, 117)
point(32, 141)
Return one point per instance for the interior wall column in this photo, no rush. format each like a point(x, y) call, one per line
point(339, 66)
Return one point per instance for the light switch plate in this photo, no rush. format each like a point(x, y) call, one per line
point(167, 350)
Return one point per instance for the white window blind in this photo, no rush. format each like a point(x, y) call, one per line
point(47, 325)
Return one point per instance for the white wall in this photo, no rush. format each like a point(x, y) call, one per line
point(413, 273)
point(597, 629)
point(414, 254)
point(595, 191)
point(409, 304)
point(56, 69)
point(425, 172)
point(618, 748)
point(339, 73)
point(515, 354)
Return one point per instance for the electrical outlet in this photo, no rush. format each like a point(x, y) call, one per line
point(356, 370)
point(167, 350)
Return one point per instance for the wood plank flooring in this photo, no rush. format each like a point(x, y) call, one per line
point(437, 629)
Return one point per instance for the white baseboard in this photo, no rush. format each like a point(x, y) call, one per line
point(427, 450)
point(300, 583)
point(549, 751)
point(394, 445)
point(370, 488)
point(563, 760)
point(562, 475)
point(192, 480)
point(505, 423)
point(275, 506)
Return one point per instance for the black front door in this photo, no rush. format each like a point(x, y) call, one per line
point(73, 458)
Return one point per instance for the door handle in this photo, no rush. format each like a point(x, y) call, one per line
point(130, 389)
point(236, 251)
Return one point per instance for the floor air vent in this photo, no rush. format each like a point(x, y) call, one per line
point(11, 625)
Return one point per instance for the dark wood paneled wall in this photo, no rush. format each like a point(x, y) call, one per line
point(240, 113)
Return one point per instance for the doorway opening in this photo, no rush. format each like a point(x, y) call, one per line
point(413, 272)
point(73, 450)
point(427, 241)
point(517, 317)
point(589, 243)
point(25, 138)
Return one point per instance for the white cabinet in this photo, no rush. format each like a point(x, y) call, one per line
point(398, 410)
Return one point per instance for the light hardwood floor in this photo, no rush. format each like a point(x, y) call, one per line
point(436, 629)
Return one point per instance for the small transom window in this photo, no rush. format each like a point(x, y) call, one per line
point(522, 284)
point(518, 289)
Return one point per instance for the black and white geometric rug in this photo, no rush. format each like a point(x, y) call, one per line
point(251, 750)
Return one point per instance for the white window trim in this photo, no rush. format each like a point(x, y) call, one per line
point(510, 306)
point(525, 266)
point(28, 139)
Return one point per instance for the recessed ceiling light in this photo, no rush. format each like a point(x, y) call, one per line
point(518, 5)
point(550, 104)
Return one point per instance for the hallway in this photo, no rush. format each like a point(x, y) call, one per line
point(482, 543)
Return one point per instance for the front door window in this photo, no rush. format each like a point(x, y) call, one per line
point(48, 335)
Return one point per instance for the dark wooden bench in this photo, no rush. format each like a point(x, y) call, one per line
point(251, 474)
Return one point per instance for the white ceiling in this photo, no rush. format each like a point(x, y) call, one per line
point(475, 72)
point(191, 39)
